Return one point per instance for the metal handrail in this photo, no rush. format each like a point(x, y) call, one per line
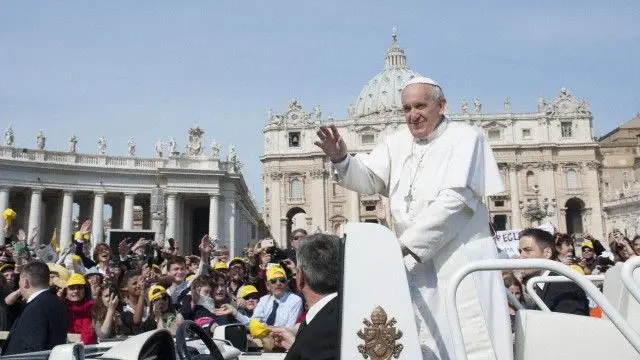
point(513, 300)
point(626, 273)
point(551, 279)
point(486, 265)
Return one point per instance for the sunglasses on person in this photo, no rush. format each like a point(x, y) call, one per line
point(278, 280)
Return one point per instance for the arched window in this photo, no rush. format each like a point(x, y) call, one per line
point(572, 179)
point(295, 189)
point(531, 181)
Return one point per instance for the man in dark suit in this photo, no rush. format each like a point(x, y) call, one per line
point(566, 297)
point(317, 276)
point(42, 325)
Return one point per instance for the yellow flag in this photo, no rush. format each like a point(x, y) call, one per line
point(54, 241)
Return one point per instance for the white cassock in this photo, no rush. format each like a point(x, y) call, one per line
point(444, 222)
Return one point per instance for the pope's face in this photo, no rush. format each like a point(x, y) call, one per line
point(422, 109)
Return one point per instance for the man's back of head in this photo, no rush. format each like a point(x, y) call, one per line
point(319, 258)
point(36, 277)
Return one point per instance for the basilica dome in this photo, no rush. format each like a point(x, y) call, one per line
point(382, 92)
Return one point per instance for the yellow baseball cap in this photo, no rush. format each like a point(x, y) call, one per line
point(190, 278)
point(275, 272)
point(156, 292)
point(247, 290)
point(587, 244)
point(76, 279)
point(62, 272)
point(257, 329)
point(220, 265)
point(4, 267)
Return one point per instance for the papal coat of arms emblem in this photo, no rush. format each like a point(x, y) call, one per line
point(380, 337)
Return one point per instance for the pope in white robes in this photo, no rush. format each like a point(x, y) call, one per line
point(436, 173)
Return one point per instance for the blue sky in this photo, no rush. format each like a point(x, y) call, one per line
point(151, 69)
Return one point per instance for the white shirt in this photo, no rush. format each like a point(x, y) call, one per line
point(541, 284)
point(289, 307)
point(35, 294)
point(315, 309)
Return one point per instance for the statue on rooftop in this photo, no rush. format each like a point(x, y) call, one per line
point(73, 142)
point(132, 147)
point(40, 140)
point(102, 146)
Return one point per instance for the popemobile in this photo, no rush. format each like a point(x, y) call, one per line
point(378, 322)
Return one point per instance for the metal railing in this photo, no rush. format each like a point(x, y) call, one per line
point(487, 265)
point(626, 273)
point(551, 279)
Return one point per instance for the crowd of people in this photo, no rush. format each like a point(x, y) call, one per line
point(591, 259)
point(106, 294)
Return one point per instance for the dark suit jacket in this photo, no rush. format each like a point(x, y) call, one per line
point(319, 339)
point(565, 298)
point(42, 325)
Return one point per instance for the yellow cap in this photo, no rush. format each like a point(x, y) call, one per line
point(156, 292)
point(588, 244)
point(62, 272)
point(78, 235)
point(8, 215)
point(190, 278)
point(220, 265)
point(76, 279)
point(257, 329)
point(76, 259)
point(4, 267)
point(275, 272)
point(577, 268)
point(247, 290)
point(59, 283)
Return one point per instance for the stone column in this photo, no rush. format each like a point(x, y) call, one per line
point(276, 207)
point(146, 216)
point(354, 205)
point(127, 211)
point(35, 214)
point(97, 226)
point(4, 204)
point(231, 220)
point(284, 237)
point(170, 231)
point(66, 225)
point(213, 214)
point(516, 216)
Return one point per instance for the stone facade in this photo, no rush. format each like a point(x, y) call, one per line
point(620, 181)
point(181, 196)
point(548, 159)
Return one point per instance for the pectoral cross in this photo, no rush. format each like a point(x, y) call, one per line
point(408, 199)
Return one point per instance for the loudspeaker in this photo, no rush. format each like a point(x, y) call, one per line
point(236, 334)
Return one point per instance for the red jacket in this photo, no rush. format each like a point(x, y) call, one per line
point(80, 320)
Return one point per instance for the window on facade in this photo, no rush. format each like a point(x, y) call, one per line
point(626, 185)
point(295, 189)
point(531, 181)
point(370, 208)
point(294, 139)
point(526, 133)
point(498, 203)
point(572, 179)
point(565, 129)
point(494, 134)
point(606, 185)
point(368, 139)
